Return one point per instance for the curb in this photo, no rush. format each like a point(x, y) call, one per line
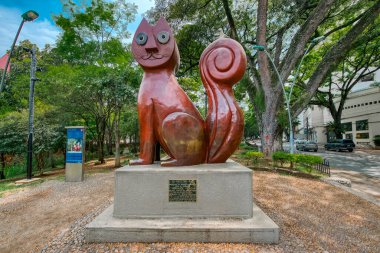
point(357, 193)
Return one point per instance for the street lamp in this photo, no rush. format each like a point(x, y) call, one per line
point(26, 17)
point(288, 97)
point(33, 79)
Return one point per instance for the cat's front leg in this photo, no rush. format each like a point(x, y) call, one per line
point(147, 139)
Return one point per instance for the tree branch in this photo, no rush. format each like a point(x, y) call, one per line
point(231, 21)
point(335, 55)
point(297, 46)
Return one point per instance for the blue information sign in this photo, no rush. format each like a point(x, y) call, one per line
point(74, 146)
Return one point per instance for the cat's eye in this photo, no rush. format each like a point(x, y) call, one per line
point(163, 37)
point(141, 38)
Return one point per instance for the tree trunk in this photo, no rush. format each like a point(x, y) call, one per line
point(51, 159)
point(117, 138)
point(110, 134)
point(268, 117)
point(100, 138)
point(268, 134)
point(338, 126)
point(64, 158)
point(2, 176)
point(101, 150)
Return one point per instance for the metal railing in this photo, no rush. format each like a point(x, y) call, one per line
point(323, 167)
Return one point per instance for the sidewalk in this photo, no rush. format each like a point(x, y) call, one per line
point(365, 186)
point(369, 151)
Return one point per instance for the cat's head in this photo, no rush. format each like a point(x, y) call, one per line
point(154, 46)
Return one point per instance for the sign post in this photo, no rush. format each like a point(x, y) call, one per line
point(75, 150)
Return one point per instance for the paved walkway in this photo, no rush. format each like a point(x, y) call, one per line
point(362, 185)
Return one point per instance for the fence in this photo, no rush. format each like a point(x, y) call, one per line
point(323, 167)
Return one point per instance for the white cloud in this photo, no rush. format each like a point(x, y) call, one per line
point(39, 32)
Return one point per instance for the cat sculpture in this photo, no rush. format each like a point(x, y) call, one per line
point(166, 114)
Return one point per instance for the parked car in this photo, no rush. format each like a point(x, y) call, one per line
point(340, 144)
point(307, 146)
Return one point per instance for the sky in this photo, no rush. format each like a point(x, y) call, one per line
point(43, 30)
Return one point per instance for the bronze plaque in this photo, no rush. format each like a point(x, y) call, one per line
point(182, 190)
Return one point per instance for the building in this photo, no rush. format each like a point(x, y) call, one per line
point(313, 122)
point(3, 61)
point(360, 116)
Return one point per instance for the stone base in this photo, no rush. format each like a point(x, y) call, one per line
point(258, 229)
point(74, 172)
point(222, 190)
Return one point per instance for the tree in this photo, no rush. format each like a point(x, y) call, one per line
point(91, 43)
point(285, 28)
point(360, 62)
point(13, 136)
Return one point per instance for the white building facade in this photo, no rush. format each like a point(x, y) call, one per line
point(360, 116)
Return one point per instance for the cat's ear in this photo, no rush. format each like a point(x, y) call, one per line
point(162, 23)
point(143, 24)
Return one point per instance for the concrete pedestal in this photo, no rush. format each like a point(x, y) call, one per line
point(221, 190)
point(202, 203)
point(74, 172)
point(258, 229)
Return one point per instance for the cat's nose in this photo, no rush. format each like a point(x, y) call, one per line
point(151, 46)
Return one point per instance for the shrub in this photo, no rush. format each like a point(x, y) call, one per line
point(308, 159)
point(254, 155)
point(282, 156)
point(305, 160)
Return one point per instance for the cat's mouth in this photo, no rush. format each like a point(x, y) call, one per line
point(152, 56)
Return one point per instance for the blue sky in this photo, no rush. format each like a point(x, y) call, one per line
point(43, 30)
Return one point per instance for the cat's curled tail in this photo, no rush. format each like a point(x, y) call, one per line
point(222, 64)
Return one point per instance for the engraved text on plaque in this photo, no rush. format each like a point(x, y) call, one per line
point(182, 190)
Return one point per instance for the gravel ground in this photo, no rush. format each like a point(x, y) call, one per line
point(313, 217)
point(34, 216)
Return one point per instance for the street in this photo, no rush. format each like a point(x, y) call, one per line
point(362, 161)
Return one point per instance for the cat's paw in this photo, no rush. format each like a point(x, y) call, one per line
point(139, 162)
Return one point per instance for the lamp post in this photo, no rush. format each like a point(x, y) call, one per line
point(288, 97)
point(33, 79)
point(26, 17)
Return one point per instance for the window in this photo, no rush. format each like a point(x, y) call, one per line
point(375, 102)
point(347, 126)
point(370, 103)
point(362, 136)
point(368, 78)
point(363, 104)
point(354, 105)
point(361, 125)
point(366, 103)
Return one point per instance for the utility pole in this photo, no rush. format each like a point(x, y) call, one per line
point(33, 79)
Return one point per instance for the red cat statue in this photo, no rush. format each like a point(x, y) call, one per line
point(166, 114)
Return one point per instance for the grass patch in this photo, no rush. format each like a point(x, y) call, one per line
point(8, 186)
point(310, 171)
point(59, 177)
